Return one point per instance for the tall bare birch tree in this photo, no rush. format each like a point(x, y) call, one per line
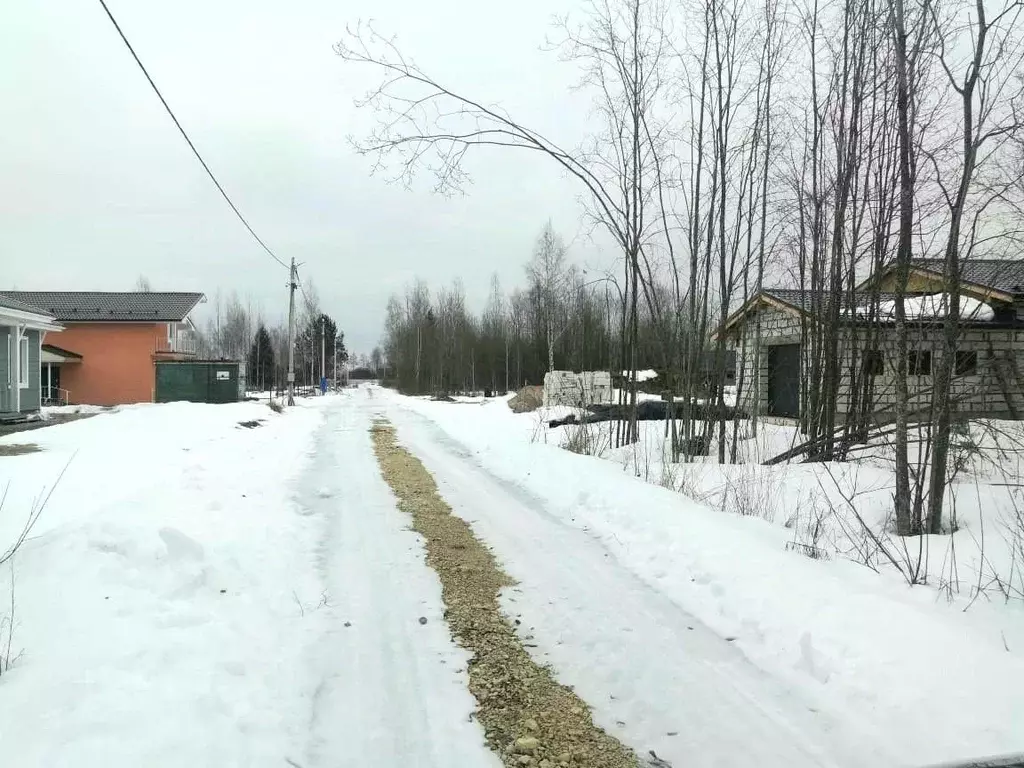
point(621, 49)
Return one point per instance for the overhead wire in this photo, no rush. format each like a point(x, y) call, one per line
point(185, 135)
point(302, 288)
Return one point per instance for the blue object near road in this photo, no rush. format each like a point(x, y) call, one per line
point(323, 385)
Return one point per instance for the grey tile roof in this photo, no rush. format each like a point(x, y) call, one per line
point(1005, 275)
point(9, 303)
point(802, 299)
point(82, 306)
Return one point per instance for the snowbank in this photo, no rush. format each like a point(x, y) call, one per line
point(857, 644)
point(158, 617)
point(49, 411)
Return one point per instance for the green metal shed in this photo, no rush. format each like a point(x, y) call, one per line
point(199, 381)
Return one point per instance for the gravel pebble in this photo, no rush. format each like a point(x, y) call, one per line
point(526, 716)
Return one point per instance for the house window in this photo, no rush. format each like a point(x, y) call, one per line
point(874, 362)
point(23, 363)
point(919, 363)
point(966, 363)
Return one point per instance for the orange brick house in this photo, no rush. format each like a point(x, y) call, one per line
point(111, 342)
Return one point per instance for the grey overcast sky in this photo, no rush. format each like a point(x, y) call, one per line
point(97, 187)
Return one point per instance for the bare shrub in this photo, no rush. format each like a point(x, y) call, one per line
point(7, 619)
point(276, 406)
point(872, 548)
point(752, 490)
point(35, 511)
point(7, 632)
point(669, 475)
point(810, 524)
point(585, 439)
point(686, 480)
point(540, 427)
point(1010, 583)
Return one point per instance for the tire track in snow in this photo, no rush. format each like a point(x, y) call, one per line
point(658, 677)
point(391, 690)
point(530, 719)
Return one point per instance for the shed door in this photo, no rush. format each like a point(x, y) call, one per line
point(784, 380)
point(182, 381)
point(222, 386)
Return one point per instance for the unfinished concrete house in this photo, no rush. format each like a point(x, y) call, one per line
point(777, 338)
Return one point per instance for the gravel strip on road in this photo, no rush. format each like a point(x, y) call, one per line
point(528, 718)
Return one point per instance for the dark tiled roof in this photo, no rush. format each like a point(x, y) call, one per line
point(10, 303)
point(795, 297)
point(1005, 275)
point(803, 299)
point(69, 306)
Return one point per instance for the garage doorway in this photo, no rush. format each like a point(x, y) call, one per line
point(784, 380)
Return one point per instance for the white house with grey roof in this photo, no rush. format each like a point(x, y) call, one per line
point(772, 334)
point(22, 330)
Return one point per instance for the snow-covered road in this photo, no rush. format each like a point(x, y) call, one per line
point(656, 676)
point(203, 593)
point(392, 690)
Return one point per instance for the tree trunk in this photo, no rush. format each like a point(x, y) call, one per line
point(905, 526)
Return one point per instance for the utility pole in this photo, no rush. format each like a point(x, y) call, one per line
point(293, 283)
point(323, 347)
point(335, 369)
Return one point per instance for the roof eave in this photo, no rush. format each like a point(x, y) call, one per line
point(37, 322)
point(762, 296)
point(198, 301)
point(977, 290)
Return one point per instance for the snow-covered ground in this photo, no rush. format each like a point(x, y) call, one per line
point(878, 663)
point(228, 586)
point(49, 411)
point(199, 592)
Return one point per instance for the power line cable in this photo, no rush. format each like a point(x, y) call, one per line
point(302, 287)
point(187, 139)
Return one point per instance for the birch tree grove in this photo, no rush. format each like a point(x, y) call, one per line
point(734, 145)
point(434, 344)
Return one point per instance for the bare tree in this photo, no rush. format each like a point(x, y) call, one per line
point(905, 60)
point(622, 51)
point(989, 94)
point(548, 273)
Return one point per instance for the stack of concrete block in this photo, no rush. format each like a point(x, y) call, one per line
point(577, 389)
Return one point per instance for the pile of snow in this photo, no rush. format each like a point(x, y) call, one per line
point(857, 645)
point(645, 375)
point(48, 411)
point(158, 617)
point(930, 307)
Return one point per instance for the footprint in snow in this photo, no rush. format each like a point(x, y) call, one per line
point(179, 546)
